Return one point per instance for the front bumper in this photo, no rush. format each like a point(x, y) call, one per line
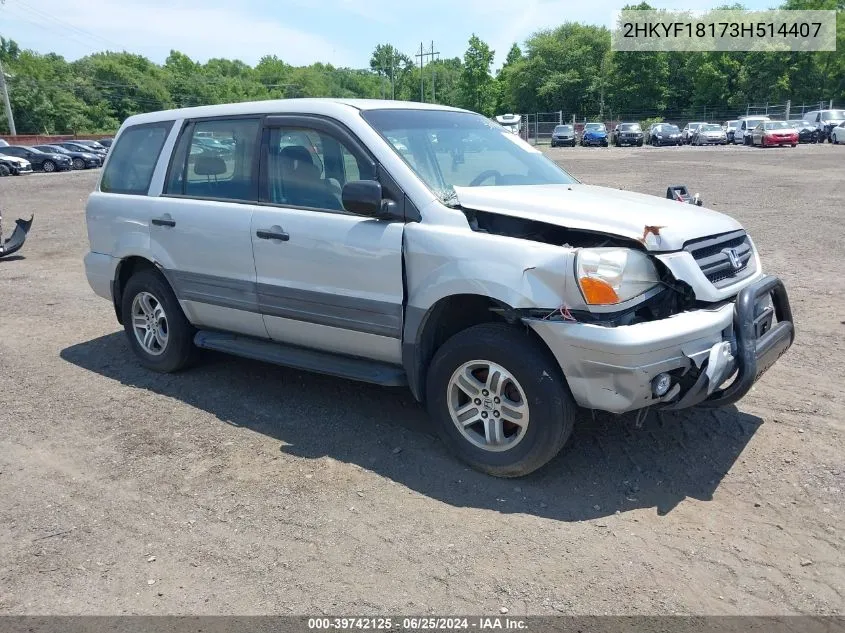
point(594, 140)
point(612, 369)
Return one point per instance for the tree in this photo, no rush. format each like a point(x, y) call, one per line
point(476, 81)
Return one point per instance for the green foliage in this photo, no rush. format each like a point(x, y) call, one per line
point(569, 68)
point(478, 88)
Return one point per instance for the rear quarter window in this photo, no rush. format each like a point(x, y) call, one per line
point(133, 159)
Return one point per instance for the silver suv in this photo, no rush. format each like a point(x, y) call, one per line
point(418, 245)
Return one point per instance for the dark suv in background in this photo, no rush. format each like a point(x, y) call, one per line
point(628, 134)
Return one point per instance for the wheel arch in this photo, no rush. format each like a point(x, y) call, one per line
point(426, 330)
point(127, 267)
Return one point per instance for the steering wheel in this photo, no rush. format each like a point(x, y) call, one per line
point(484, 175)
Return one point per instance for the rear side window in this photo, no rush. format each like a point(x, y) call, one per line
point(134, 157)
point(216, 159)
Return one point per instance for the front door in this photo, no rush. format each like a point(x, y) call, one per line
point(326, 278)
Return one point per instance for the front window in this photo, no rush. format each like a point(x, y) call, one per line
point(459, 149)
point(833, 115)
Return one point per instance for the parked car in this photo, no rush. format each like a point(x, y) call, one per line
point(769, 133)
point(563, 135)
point(106, 142)
point(504, 307)
point(837, 134)
point(807, 132)
point(628, 134)
point(79, 160)
point(730, 128)
point(665, 134)
point(825, 121)
point(12, 165)
point(94, 145)
point(594, 134)
point(742, 134)
point(709, 134)
point(76, 146)
point(689, 130)
point(41, 161)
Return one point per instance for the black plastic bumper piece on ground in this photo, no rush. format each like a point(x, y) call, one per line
point(302, 358)
point(755, 355)
point(15, 242)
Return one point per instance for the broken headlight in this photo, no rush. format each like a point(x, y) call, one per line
point(609, 276)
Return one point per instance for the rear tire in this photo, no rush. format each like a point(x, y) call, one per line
point(529, 380)
point(147, 294)
point(4, 171)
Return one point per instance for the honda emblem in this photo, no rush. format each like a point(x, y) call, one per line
point(734, 258)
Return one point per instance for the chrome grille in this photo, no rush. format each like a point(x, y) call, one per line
point(724, 259)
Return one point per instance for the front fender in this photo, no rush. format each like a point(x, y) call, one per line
point(446, 261)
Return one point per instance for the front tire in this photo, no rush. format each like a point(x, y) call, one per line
point(78, 163)
point(499, 400)
point(49, 166)
point(155, 325)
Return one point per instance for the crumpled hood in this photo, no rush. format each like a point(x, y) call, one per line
point(603, 210)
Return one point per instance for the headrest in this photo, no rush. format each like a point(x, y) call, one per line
point(209, 166)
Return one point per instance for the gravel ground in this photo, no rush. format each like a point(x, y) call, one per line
point(239, 487)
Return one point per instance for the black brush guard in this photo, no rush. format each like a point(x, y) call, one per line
point(759, 344)
point(15, 242)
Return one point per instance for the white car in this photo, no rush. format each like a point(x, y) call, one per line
point(689, 131)
point(742, 134)
point(503, 292)
point(837, 134)
point(16, 166)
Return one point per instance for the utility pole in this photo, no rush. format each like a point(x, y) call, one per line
point(7, 103)
point(433, 72)
point(421, 55)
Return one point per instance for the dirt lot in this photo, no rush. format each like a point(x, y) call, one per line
point(239, 487)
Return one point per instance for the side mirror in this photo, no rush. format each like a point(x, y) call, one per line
point(364, 197)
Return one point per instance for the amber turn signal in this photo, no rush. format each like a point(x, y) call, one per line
point(597, 291)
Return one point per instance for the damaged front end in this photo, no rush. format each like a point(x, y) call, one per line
point(18, 237)
point(663, 347)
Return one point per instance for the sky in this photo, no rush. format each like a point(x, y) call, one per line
point(340, 32)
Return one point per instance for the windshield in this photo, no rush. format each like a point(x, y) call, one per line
point(777, 125)
point(594, 127)
point(459, 149)
point(630, 127)
point(800, 123)
point(670, 129)
point(563, 128)
point(833, 115)
point(710, 128)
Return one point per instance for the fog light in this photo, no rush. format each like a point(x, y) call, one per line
point(660, 385)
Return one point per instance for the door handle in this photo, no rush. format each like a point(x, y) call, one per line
point(164, 221)
point(269, 234)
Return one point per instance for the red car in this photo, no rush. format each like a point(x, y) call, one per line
point(769, 133)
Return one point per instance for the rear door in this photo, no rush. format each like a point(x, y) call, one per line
point(327, 279)
point(200, 226)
